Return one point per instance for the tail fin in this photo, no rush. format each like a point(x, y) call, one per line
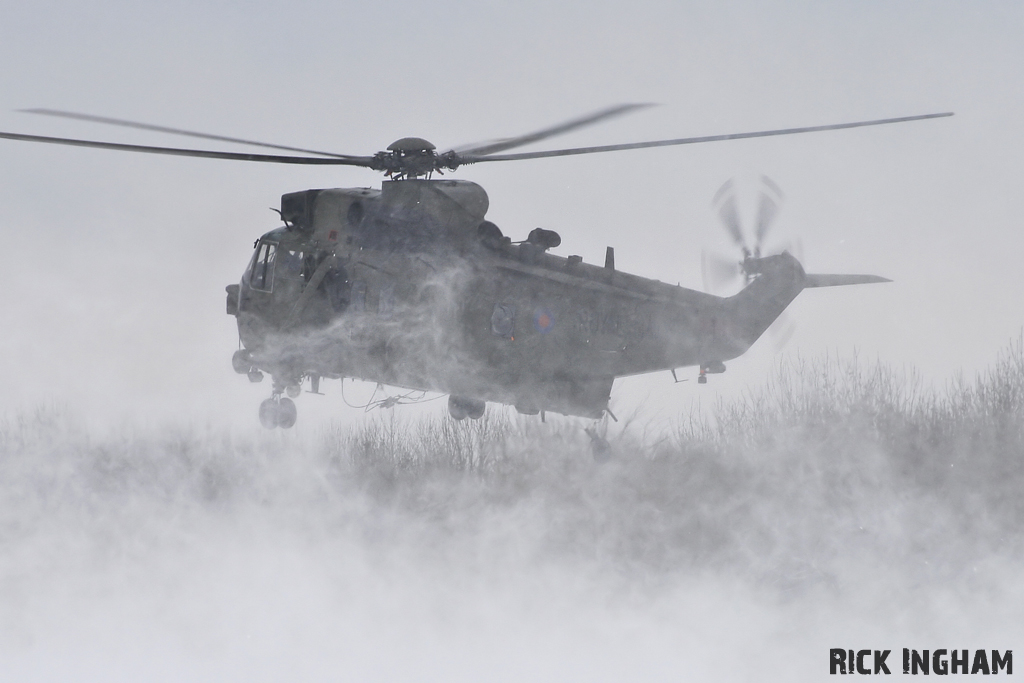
point(815, 280)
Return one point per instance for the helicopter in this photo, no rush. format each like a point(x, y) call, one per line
point(410, 285)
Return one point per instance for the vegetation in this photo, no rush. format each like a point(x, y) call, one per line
point(830, 472)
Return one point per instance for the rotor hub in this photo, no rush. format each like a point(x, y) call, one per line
point(411, 145)
point(413, 158)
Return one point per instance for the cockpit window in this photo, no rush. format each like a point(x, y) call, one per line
point(262, 275)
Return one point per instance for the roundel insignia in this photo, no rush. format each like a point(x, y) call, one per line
point(543, 319)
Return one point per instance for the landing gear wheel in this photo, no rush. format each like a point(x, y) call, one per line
point(286, 413)
point(460, 407)
point(456, 408)
point(476, 410)
point(241, 362)
point(269, 410)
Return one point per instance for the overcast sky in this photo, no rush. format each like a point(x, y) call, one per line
point(116, 263)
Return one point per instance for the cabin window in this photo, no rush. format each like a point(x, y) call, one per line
point(289, 263)
point(262, 275)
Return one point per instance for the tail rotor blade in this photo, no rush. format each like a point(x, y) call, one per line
point(727, 211)
point(719, 273)
point(771, 195)
point(766, 213)
point(771, 186)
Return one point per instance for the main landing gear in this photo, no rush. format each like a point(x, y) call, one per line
point(460, 407)
point(278, 412)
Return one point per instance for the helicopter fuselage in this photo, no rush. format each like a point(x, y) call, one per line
point(410, 286)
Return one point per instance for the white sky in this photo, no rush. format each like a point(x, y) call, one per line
point(115, 264)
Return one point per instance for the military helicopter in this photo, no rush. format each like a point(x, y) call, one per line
point(411, 286)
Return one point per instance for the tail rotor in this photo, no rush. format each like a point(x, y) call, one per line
point(767, 210)
point(722, 274)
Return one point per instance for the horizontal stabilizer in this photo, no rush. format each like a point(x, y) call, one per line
point(817, 280)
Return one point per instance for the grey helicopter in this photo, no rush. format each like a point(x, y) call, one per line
point(410, 285)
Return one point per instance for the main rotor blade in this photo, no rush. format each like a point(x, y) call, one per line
point(483, 149)
point(202, 153)
point(173, 131)
point(691, 141)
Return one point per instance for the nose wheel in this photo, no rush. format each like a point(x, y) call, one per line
point(278, 412)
